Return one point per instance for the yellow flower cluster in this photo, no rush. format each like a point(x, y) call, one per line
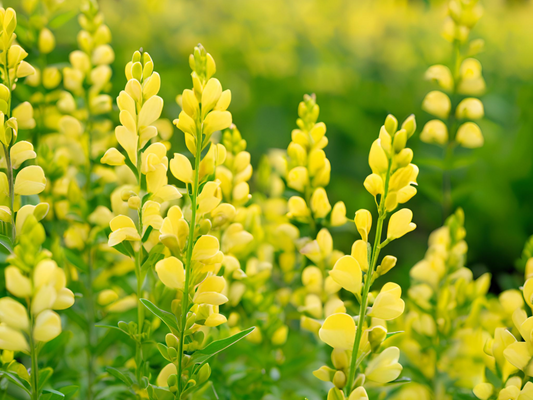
point(309, 170)
point(463, 82)
point(507, 350)
point(33, 278)
point(443, 338)
point(360, 352)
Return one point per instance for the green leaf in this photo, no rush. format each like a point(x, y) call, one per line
point(168, 318)
point(112, 327)
point(125, 248)
point(153, 257)
point(7, 243)
point(14, 379)
point(51, 394)
point(391, 334)
point(62, 19)
point(119, 375)
point(201, 356)
point(399, 381)
point(159, 393)
point(44, 375)
point(69, 391)
point(147, 233)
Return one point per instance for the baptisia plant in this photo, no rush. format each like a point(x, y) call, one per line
point(17, 181)
point(445, 335)
point(191, 266)
point(135, 235)
point(509, 350)
point(308, 173)
point(28, 317)
point(361, 358)
point(456, 106)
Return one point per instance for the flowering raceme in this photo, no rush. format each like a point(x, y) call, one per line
point(362, 347)
point(456, 106)
point(33, 278)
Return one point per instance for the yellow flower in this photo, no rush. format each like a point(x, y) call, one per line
point(385, 367)
point(113, 157)
point(363, 222)
point(206, 247)
point(347, 273)
point(171, 272)
point(338, 331)
point(12, 339)
point(16, 283)
point(20, 152)
point(122, 228)
point(470, 108)
point(210, 291)
point(483, 390)
point(181, 168)
point(174, 229)
point(388, 304)
point(469, 135)
point(30, 180)
point(319, 203)
point(442, 75)
point(400, 224)
point(437, 103)
point(528, 292)
point(297, 208)
point(338, 215)
point(47, 326)
point(14, 314)
point(374, 184)
point(435, 131)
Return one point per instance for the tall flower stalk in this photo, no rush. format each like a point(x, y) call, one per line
point(457, 105)
point(390, 184)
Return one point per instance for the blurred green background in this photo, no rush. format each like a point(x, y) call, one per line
point(363, 59)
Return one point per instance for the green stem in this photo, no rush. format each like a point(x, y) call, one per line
point(90, 322)
point(447, 202)
point(364, 300)
point(34, 365)
point(140, 282)
point(140, 311)
point(91, 315)
point(188, 266)
point(10, 180)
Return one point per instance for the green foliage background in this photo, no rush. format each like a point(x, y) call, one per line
point(363, 59)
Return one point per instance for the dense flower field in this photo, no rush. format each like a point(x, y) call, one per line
point(149, 249)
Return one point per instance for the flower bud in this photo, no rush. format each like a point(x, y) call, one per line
point(386, 265)
point(320, 204)
point(437, 103)
point(363, 222)
point(469, 135)
point(47, 41)
point(470, 108)
point(435, 131)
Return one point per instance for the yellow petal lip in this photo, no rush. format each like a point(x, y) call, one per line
point(113, 157)
point(338, 331)
point(348, 274)
point(30, 180)
point(205, 247)
point(171, 272)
